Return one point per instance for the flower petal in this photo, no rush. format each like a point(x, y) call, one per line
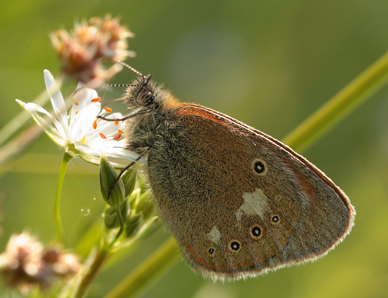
point(119, 156)
point(51, 126)
point(57, 100)
point(83, 96)
point(82, 122)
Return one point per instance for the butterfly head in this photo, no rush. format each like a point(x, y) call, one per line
point(150, 104)
point(143, 93)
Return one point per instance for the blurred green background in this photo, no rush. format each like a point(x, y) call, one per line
point(269, 64)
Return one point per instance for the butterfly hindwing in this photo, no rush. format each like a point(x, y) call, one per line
point(237, 201)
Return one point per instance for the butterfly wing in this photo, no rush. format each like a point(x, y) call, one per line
point(238, 201)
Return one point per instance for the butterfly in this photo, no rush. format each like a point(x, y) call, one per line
point(238, 201)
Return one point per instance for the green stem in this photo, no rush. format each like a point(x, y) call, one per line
point(57, 208)
point(366, 84)
point(121, 230)
point(99, 260)
point(340, 105)
point(18, 143)
point(158, 263)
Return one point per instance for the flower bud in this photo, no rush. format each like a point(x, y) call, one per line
point(112, 188)
point(133, 224)
point(129, 180)
point(111, 219)
point(150, 227)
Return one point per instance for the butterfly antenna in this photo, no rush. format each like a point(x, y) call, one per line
point(127, 66)
point(117, 85)
point(124, 85)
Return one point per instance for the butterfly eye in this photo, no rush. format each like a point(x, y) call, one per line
point(256, 232)
point(211, 251)
point(148, 98)
point(275, 219)
point(260, 167)
point(234, 245)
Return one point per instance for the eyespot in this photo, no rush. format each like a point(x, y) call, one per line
point(211, 251)
point(275, 219)
point(256, 232)
point(260, 167)
point(234, 245)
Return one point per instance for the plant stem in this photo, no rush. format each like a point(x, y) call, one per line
point(121, 230)
point(160, 261)
point(340, 105)
point(99, 260)
point(57, 207)
point(20, 142)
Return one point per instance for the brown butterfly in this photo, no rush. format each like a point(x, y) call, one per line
point(238, 201)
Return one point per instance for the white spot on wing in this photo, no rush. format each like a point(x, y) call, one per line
point(214, 235)
point(254, 203)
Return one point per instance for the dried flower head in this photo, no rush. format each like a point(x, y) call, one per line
point(26, 263)
point(82, 50)
point(60, 264)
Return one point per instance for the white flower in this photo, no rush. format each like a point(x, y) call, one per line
point(80, 133)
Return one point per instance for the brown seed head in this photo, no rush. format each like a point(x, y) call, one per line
point(81, 51)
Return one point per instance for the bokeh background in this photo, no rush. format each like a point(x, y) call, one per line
point(269, 64)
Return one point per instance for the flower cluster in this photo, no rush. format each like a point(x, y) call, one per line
point(26, 263)
point(81, 51)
